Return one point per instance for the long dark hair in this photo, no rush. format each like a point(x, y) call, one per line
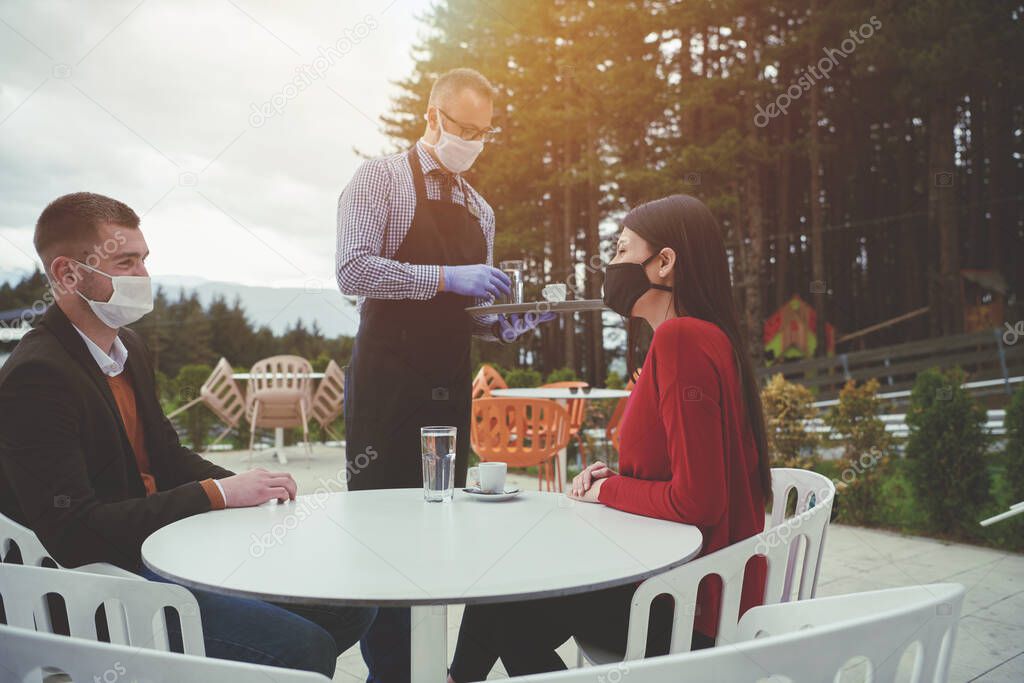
point(702, 290)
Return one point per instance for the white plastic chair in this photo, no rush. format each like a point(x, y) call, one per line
point(329, 398)
point(779, 544)
point(25, 656)
point(811, 489)
point(34, 554)
point(222, 396)
point(814, 640)
point(134, 609)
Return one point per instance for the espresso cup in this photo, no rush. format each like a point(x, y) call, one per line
point(554, 292)
point(492, 477)
point(473, 477)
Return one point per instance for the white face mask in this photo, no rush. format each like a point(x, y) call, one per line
point(456, 154)
point(132, 299)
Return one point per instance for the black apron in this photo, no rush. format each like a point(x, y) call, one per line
point(410, 364)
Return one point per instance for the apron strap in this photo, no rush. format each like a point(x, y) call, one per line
point(417, 174)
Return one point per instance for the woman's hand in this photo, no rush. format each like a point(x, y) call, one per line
point(585, 480)
point(591, 494)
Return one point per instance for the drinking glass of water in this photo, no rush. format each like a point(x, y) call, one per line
point(437, 444)
point(514, 270)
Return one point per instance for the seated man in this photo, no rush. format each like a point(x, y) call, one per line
point(90, 463)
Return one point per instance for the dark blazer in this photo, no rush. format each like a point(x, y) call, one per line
point(67, 469)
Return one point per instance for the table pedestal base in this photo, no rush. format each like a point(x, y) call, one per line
point(429, 658)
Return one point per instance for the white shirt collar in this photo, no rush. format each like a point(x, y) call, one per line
point(112, 365)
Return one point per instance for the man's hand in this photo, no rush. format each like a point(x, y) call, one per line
point(256, 487)
point(477, 281)
point(513, 326)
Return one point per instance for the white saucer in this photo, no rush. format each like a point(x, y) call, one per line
point(480, 495)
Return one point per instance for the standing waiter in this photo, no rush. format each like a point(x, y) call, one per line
point(415, 243)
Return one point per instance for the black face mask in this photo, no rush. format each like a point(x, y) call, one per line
point(624, 283)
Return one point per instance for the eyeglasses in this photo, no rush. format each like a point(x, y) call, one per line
point(470, 132)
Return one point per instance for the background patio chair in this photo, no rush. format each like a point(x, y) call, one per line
point(522, 432)
point(278, 397)
point(134, 609)
point(222, 396)
point(824, 639)
point(329, 399)
point(577, 413)
point(487, 379)
point(611, 432)
point(780, 544)
point(24, 653)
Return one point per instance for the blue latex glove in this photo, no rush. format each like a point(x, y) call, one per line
point(478, 281)
point(515, 325)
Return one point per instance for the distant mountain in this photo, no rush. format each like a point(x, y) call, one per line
point(13, 276)
point(277, 308)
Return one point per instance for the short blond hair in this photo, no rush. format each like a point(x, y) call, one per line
point(455, 81)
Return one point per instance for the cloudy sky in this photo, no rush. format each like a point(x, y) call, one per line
point(230, 126)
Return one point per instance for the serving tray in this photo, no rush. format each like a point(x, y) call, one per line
point(541, 307)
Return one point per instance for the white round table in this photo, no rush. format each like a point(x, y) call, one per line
point(390, 548)
point(560, 394)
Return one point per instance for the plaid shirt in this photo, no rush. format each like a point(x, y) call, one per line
point(375, 213)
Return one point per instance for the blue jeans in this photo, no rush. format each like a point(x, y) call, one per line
point(307, 637)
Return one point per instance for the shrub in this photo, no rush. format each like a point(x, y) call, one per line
point(946, 451)
point(197, 419)
point(867, 447)
point(1013, 456)
point(614, 381)
point(321, 362)
point(522, 377)
point(561, 375)
point(1010, 484)
point(786, 407)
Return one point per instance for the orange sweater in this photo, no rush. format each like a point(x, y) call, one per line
point(124, 396)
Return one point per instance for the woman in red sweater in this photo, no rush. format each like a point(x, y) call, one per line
point(692, 444)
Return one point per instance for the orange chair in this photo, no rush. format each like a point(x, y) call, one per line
point(577, 413)
point(521, 432)
point(487, 379)
point(611, 432)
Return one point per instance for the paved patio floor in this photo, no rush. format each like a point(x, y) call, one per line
point(990, 641)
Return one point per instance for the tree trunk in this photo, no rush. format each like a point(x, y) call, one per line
point(595, 323)
point(1000, 136)
point(977, 251)
point(946, 303)
point(818, 284)
point(752, 264)
point(786, 223)
point(568, 268)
